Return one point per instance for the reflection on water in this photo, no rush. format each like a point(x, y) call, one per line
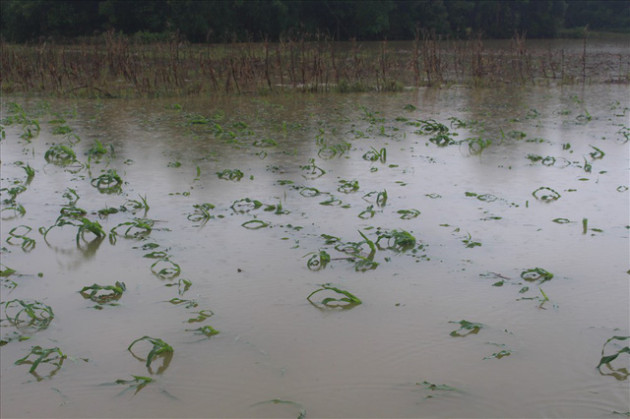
point(254, 204)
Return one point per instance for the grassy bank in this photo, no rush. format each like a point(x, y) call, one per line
point(120, 66)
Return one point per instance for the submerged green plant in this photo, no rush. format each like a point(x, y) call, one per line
point(476, 145)
point(83, 225)
point(88, 226)
point(19, 233)
point(619, 373)
point(546, 194)
point(136, 229)
point(265, 142)
point(301, 413)
point(397, 240)
point(73, 212)
point(230, 174)
point(72, 196)
point(376, 155)
point(408, 214)
point(348, 186)
point(469, 327)
point(5, 271)
point(347, 301)
point(159, 349)
point(361, 263)
point(254, 224)
point(18, 210)
point(97, 150)
point(536, 274)
point(318, 261)
point(202, 315)
point(186, 303)
point(182, 284)
point(60, 155)
point(442, 140)
point(17, 115)
point(381, 198)
point(109, 182)
point(206, 331)
point(166, 269)
point(52, 356)
point(561, 220)
point(312, 171)
point(28, 314)
point(329, 151)
point(13, 193)
point(245, 205)
point(367, 213)
point(201, 214)
point(469, 242)
point(138, 204)
point(309, 192)
point(499, 355)
point(139, 382)
point(276, 209)
point(332, 201)
point(30, 172)
point(61, 130)
point(103, 294)
point(437, 387)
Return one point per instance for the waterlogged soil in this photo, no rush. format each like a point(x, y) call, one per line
point(470, 248)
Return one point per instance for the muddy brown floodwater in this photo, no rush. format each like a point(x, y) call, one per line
point(497, 189)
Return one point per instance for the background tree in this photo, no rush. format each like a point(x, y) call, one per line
point(228, 20)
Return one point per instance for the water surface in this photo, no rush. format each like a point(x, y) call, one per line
point(368, 361)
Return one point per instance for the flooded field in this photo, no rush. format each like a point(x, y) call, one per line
point(429, 253)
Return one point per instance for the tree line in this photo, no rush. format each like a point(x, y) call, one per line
point(255, 20)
